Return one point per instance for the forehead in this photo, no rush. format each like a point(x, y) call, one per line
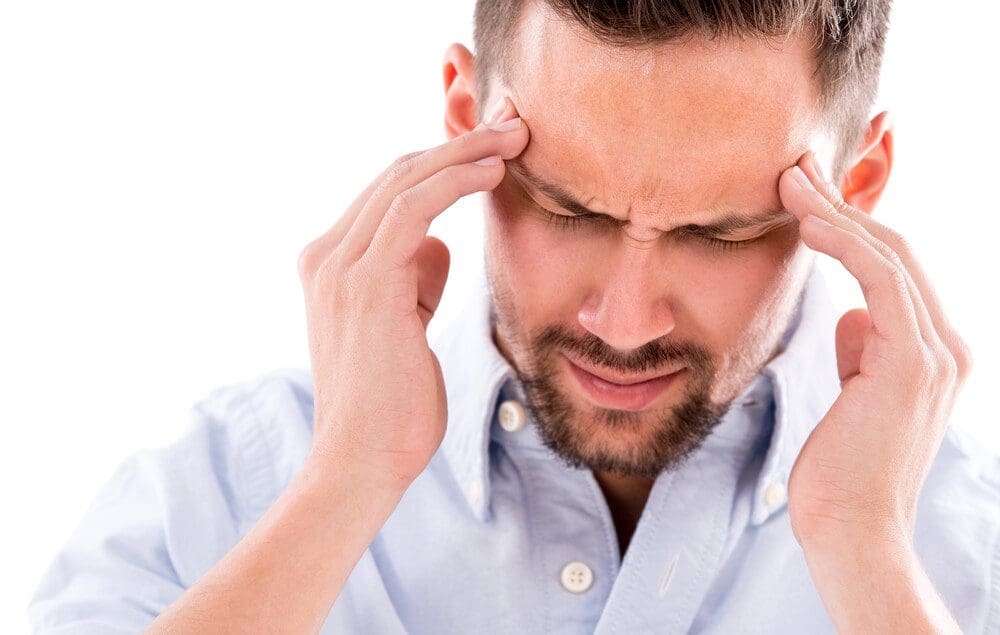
point(681, 126)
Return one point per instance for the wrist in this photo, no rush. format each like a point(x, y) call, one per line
point(334, 483)
point(865, 555)
point(877, 584)
point(872, 538)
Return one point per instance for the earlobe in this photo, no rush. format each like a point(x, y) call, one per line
point(865, 181)
point(460, 109)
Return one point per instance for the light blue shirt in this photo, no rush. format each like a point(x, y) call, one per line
point(498, 535)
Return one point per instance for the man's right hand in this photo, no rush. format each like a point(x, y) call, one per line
point(371, 284)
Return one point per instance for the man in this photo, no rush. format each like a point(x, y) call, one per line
point(648, 420)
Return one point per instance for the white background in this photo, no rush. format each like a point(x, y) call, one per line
point(161, 165)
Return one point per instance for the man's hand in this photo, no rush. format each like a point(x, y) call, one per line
point(372, 283)
point(853, 490)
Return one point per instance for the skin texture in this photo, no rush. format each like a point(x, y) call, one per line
point(658, 139)
point(639, 294)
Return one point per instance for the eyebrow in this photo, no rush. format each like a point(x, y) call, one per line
point(729, 223)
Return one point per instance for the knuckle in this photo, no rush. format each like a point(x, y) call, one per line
point(950, 366)
point(331, 269)
point(372, 270)
point(943, 363)
point(401, 168)
point(839, 207)
point(892, 279)
point(399, 207)
point(893, 257)
point(344, 287)
point(467, 140)
point(962, 355)
point(897, 242)
point(403, 203)
point(309, 259)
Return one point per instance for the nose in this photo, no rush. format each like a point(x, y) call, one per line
point(630, 308)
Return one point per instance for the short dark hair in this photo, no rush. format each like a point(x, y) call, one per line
point(848, 37)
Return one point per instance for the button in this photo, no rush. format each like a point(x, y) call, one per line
point(475, 491)
point(511, 415)
point(774, 494)
point(576, 577)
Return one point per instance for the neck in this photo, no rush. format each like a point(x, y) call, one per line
point(626, 497)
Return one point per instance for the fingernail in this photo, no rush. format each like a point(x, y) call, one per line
point(802, 180)
point(819, 169)
point(507, 126)
point(496, 111)
point(493, 160)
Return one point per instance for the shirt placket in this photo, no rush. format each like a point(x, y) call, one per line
point(677, 549)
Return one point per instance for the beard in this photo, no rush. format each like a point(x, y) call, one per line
point(639, 444)
point(623, 442)
point(627, 443)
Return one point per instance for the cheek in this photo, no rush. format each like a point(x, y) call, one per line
point(718, 298)
point(542, 265)
point(740, 301)
point(742, 282)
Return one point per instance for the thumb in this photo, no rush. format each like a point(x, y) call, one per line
point(851, 331)
point(433, 261)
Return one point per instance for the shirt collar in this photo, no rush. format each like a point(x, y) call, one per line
point(804, 384)
point(802, 379)
point(474, 371)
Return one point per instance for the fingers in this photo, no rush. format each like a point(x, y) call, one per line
point(842, 214)
point(866, 259)
point(433, 261)
point(896, 302)
point(850, 342)
point(320, 248)
point(894, 241)
point(409, 216)
point(476, 144)
point(803, 198)
point(882, 283)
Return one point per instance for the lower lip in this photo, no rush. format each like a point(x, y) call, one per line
point(617, 396)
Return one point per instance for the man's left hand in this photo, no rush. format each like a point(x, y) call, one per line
point(853, 490)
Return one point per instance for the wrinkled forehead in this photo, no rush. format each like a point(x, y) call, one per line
point(654, 122)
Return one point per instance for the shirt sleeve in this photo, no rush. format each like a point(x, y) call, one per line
point(167, 515)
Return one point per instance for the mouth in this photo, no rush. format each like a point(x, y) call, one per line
point(620, 392)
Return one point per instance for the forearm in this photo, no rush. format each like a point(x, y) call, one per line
point(288, 570)
point(877, 587)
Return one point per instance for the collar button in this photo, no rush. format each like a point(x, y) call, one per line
point(774, 494)
point(511, 415)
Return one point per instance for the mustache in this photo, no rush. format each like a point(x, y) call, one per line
point(652, 355)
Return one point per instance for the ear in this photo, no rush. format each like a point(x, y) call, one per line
point(865, 180)
point(461, 112)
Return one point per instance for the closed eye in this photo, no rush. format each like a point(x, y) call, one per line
point(578, 221)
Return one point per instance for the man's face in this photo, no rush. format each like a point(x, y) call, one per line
point(665, 142)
